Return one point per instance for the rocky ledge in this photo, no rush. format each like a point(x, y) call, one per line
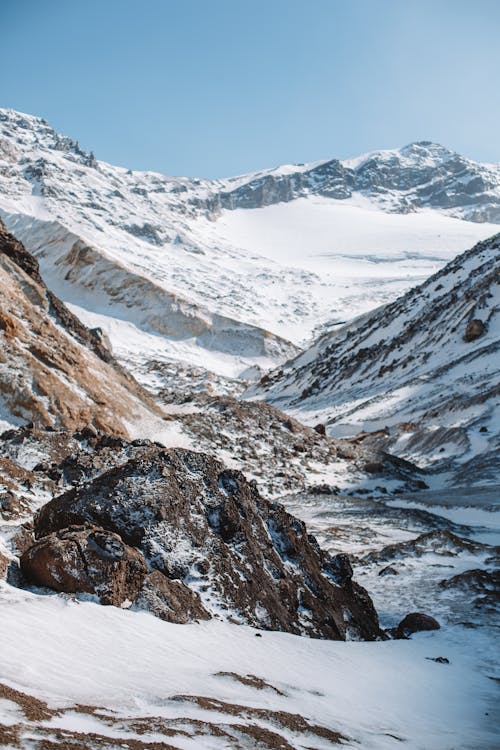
point(175, 532)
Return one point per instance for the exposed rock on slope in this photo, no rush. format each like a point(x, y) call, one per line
point(173, 275)
point(207, 526)
point(86, 560)
point(283, 455)
point(417, 368)
point(419, 175)
point(53, 370)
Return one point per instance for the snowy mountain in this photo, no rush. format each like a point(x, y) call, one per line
point(143, 583)
point(420, 175)
point(422, 371)
point(229, 277)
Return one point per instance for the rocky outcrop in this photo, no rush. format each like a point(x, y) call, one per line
point(89, 559)
point(170, 600)
point(200, 523)
point(4, 564)
point(439, 541)
point(421, 174)
point(482, 585)
point(54, 370)
point(377, 365)
point(16, 251)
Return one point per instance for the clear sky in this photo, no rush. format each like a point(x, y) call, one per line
point(221, 87)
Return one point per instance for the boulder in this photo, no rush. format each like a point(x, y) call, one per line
point(475, 329)
point(413, 623)
point(197, 522)
point(86, 560)
point(389, 570)
point(11, 507)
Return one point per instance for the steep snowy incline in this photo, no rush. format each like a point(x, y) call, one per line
point(114, 243)
point(56, 372)
point(424, 370)
point(192, 271)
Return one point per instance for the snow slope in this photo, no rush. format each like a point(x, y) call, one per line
point(375, 695)
point(412, 371)
point(231, 275)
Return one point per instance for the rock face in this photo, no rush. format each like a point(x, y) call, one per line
point(89, 560)
point(421, 174)
point(170, 600)
point(54, 370)
point(206, 526)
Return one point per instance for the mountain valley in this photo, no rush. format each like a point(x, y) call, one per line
point(249, 442)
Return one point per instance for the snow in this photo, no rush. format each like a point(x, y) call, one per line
point(134, 663)
point(212, 287)
point(341, 236)
point(169, 280)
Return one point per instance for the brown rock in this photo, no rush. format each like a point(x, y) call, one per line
point(23, 538)
point(170, 600)
point(413, 623)
point(475, 329)
point(11, 506)
point(4, 564)
point(198, 522)
point(59, 372)
point(8, 325)
point(86, 560)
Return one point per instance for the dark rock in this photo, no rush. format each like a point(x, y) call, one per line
point(374, 467)
point(414, 623)
point(11, 506)
point(438, 659)
point(388, 571)
point(324, 489)
point(170, 600)
point(475, 329)
point(86, 560)
point(483, 582)
point(23, 538)
point(320, 429)
point(198, 522)
point(420, 484)
point(439, 541)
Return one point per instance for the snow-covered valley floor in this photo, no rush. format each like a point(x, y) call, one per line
point(113, 678)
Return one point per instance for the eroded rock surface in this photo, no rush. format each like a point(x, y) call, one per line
point(203, 524)
point(90, 560)
point(54, 370)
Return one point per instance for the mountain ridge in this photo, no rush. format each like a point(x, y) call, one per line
point(182, 285)
point(421, 371)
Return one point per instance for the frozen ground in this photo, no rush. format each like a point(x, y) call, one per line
point(113, 676)
point(376, 695)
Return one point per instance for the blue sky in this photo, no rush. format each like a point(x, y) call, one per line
point(220, 87)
